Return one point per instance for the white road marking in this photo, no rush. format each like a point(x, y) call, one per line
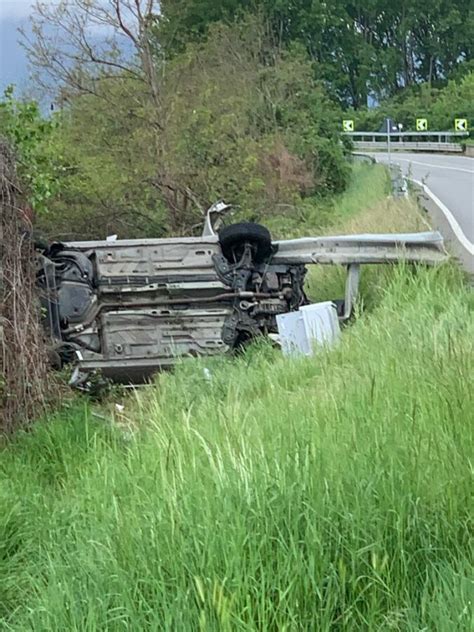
point(449, 216)
point(428, 164)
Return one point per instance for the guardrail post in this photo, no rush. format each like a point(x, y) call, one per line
point(352, 289)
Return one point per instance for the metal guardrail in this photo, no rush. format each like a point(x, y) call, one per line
point(408, 146)
point(446, 141)
point(400, 135)
point(426, 248)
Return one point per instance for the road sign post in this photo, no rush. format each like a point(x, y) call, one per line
point(400, 129)
point(389, 125)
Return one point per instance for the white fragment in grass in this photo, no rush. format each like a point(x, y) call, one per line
point(310, 327)
point(275, 338)
point(74, 377)
point(207, 374)
point(119, 408)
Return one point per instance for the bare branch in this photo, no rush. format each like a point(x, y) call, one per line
point(88, 35)
point(124, 28)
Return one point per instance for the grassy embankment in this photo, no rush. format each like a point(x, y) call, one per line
point(368, 188)
point(330, 493)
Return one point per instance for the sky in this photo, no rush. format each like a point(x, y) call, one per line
point(13, 63)
point(14, 14)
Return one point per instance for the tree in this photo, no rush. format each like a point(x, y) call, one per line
point(102, 64)
point(80, 43)
point(110, 159)
point(246, 122)
point(439, 105)
point(362, 47)
point(233, 116)
point(30, 134)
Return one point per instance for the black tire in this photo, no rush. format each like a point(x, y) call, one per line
point(232, 239)
point(340, 305)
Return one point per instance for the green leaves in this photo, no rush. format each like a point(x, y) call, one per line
point(364, 47)
point(439, 105)
point(30, 133)
point(248, 123)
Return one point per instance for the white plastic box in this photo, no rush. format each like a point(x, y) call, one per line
point(311, 326)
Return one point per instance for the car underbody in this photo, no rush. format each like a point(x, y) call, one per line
point(127, 308)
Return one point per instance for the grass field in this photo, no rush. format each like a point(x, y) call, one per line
point(329, 493)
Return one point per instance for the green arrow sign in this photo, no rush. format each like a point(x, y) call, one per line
point(460, 125)
point(348, 125)
point(421, 124)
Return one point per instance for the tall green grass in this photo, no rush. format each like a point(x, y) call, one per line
point(369, 185)
point(325, 493)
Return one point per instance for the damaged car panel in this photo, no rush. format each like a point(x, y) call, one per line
point(128, 308)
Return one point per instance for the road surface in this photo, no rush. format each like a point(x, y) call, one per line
point(450, 178)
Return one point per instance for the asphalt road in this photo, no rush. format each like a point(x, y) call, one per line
point(450, 178)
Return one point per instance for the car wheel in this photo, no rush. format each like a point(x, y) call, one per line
point(234, 237)
point(339, 304)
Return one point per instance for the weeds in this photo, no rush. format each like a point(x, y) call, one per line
point(329, 493)
point(261, 493)
point(368, 189)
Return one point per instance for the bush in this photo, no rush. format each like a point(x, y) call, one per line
point(248, 124)
point(238, 119)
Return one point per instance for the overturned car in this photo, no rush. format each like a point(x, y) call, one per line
point(127, 308)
